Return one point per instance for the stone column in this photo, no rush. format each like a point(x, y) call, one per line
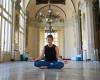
point(78, 33)
point(13, 29)
point(90, 28)
point(25, 48)
point(16, 10)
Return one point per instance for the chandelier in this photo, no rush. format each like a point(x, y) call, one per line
point(49, 16)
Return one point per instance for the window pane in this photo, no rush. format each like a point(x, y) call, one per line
point(6, 25)
point(21, 30)
point(0, 22)
point(45, 35)
point(9, 38)
point(0, 2)
point(45, 39)
point(3, 3)
point(6, 36)
point(22, 4)
point(21, 21)
point(56, 35)
point(55, 39)
point(10, 7)
point(21, 45)
point(21, 33)
point(2, 39)
point(0, 10)
point(7, 5)
point(45, 43)
point(56, 43)
point(10, 19)
point(5, 14)
point(52, 34)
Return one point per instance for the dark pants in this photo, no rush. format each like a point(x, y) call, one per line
point(50, 65)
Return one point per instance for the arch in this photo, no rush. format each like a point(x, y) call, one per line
point(47, 6)
point(73, 5)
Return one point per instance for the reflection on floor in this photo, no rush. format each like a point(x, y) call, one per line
point(71, 71)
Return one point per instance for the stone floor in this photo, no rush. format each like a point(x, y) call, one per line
point(71, 71)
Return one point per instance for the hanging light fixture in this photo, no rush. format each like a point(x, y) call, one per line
point(50, 14)
point(48, 18)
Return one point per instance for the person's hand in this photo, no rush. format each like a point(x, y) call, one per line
point(37, 59)
point(61, 60)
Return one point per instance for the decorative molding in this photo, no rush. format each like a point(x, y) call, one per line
point(73, 5)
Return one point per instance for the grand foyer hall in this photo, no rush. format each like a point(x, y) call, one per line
point(24, 26)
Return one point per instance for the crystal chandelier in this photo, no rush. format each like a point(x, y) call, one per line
point(49, 16)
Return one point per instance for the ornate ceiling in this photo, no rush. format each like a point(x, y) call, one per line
point(70, 7)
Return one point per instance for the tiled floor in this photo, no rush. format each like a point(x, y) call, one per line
point(71, 71)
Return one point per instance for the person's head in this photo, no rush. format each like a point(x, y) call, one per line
point(50, 39)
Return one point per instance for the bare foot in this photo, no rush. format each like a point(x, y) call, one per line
point(43, 67)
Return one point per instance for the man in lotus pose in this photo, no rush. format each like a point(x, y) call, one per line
point(51, 55)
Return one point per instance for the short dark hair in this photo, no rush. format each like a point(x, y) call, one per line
point(50, 36)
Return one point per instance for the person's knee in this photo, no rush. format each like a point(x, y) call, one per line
point(37, 63)
point(60, 65)
point(57, 65)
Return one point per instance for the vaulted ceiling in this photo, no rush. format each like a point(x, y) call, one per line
point(68, 6)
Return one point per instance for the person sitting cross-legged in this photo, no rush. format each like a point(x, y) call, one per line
point(51, 56)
